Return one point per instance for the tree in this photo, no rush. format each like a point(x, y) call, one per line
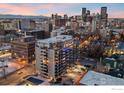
point(122, 37)
point(1, 27)
point(95, 51)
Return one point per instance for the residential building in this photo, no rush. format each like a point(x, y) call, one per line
point(26, 24)
point(57, 32)
point(53, 56)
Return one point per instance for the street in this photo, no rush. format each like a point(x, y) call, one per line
point(6, 55)
point(17, 77)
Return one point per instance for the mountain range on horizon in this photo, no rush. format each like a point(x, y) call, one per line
point(21, 16)
point(30, 16)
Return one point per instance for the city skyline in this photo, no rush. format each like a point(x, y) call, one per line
point(114, 10)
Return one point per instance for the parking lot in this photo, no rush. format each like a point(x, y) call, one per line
point(9, 66)
point(74, 73)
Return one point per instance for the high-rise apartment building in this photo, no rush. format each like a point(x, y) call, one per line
point(53, 55)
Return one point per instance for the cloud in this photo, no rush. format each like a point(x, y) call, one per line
point(48, 8)
point(16, 9)
point(35, 9)
point(24, 9)
point(116, 14)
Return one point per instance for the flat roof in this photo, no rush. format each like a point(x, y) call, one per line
point(59, 38)
point(60, 29)
point(32, 81)
point(5, 47)
point(96, 78)
point(2, 36)
point(34, 30)
point(35, 80)
point(26, 36)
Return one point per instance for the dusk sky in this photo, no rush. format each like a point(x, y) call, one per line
point(46, 9)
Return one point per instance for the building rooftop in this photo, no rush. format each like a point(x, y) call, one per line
point(5, 48)
point(60, 38)
point(27, 36)
point(62, 29)
point(95, 78)
point(2, 36)
point(35, 30)
point(25, 39)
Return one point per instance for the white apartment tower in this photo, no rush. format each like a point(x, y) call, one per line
point(53, 55)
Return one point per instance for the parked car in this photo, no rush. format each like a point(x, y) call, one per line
point(19, 72)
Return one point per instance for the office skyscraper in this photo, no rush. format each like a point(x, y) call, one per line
point(94, 23)
point(88, 12)
point(104, 16)
point(84, 14)
point(103, 12)
point(23, 48)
